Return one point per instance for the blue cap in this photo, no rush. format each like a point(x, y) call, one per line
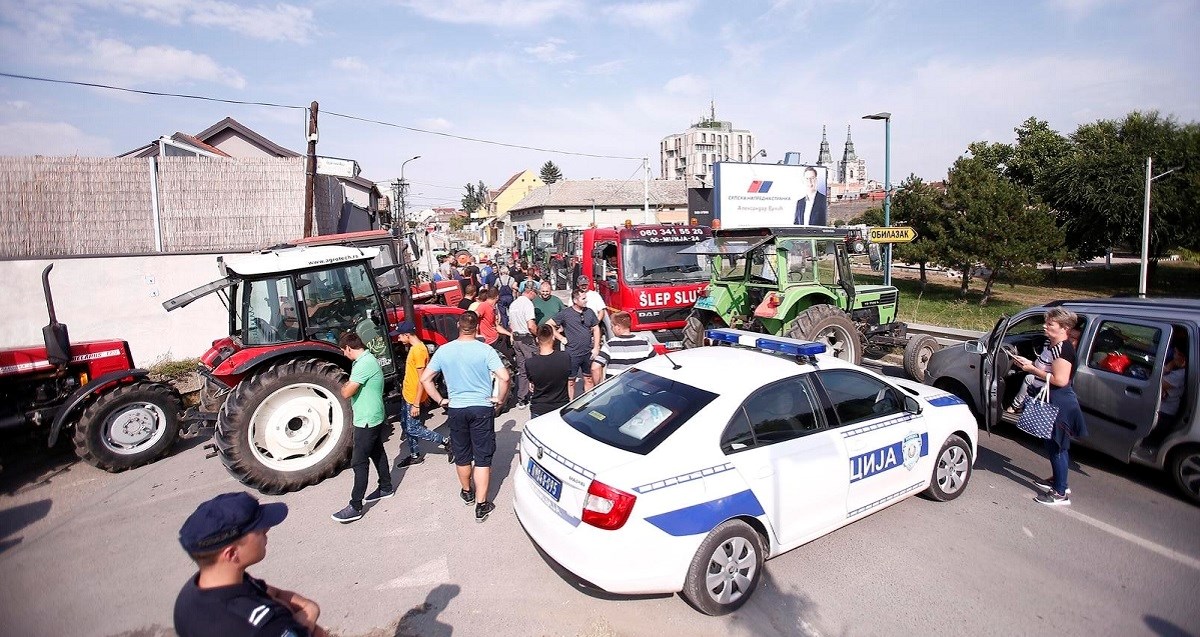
point(224, 519)
point(405, 327)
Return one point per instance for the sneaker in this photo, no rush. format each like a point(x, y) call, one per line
point(445, 446)
point(468, 497)
point(379, 494)
point(408, 461)
point(1048, 483)
point(482, 510)
point(1052, 498)
point(348, 514)
point(522, 404)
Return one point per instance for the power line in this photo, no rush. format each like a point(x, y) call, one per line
point(327, 113)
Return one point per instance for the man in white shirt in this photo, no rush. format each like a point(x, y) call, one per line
point(524, 327)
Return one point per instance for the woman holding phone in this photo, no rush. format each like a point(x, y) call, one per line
point(1060, 353)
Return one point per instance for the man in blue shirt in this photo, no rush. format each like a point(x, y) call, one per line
point(477, 382)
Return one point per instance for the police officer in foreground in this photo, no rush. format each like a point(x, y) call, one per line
point(225, 536)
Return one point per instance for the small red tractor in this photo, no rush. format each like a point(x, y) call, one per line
point(117, 417)
point(272, 385)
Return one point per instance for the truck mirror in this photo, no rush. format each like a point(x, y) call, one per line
point(598, 253)
point(612, 284)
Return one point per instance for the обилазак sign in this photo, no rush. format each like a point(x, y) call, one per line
point(896, 234)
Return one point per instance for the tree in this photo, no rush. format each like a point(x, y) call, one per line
point(1099, 187)
point(457, 222)
point(992, 222)
point(475, 198)
point(918, 205)
point(550, 173)
point(871, 217)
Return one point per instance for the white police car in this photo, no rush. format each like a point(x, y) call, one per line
point(687, 471)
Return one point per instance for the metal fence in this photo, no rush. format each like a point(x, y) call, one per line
point(73, 206)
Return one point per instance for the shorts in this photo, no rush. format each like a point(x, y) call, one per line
point(472, 435)
point(581, 365)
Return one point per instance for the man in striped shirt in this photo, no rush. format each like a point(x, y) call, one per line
point(623, 350)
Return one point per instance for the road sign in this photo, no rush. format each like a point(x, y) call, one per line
point(897, 234)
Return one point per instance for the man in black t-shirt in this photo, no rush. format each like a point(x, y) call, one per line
point(581, 337)
point(225, 536)
point(548, 372)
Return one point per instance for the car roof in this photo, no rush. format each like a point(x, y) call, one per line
point(738, 369)
point(1157, 308)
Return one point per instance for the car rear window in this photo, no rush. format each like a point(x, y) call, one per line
point(635, 411)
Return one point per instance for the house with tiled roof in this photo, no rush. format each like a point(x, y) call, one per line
point(496, 224)
point(605, 202)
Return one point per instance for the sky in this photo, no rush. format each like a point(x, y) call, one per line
point(588, 77)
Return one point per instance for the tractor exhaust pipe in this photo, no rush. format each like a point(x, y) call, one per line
point(58, 344)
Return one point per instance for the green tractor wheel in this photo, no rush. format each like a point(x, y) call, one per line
point(828, 325)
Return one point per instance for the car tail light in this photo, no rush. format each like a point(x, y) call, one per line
point(605, 507)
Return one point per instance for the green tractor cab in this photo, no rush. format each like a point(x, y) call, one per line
point(794, 281)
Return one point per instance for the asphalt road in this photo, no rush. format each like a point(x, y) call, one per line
point(83, 552)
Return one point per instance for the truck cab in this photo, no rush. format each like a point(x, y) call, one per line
point(638, 269)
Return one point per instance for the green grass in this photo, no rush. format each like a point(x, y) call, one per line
point(940, 305)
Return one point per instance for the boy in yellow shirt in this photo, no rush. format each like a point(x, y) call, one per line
point(413, 407)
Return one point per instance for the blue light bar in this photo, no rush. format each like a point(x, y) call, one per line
point(724, 336)
point(790, 346)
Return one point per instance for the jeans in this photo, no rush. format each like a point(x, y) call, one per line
point(416, 430)
point(472, 435)
point(368, 449)
point(525, 349)
point(1058, 464)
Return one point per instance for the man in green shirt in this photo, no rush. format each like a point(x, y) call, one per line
point(546, 306)
point(365, 391)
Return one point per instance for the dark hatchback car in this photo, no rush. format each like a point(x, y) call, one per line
point(1123, 346)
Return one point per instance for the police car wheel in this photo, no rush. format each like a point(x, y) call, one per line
point(726, 569)
point(951, 470)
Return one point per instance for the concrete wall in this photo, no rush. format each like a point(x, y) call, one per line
point(116, 297)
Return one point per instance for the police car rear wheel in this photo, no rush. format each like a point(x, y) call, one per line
point(951, 470)
point(726, 569)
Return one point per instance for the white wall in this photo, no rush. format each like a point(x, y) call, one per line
point(115, 297)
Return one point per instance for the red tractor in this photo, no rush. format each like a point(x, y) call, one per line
point(117, 417)
point(273, 382)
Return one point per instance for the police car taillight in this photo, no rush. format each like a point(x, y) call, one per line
point(605, 507)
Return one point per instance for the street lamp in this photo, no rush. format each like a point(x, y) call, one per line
point(402, 191)
point(762, 152)
point(887, 188)
point(1146, 225)
point(593, 211)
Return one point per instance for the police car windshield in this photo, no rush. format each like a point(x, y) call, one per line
point(635, 411)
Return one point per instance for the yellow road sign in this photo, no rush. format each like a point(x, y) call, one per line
point(897, 234)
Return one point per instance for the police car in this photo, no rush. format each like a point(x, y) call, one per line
point(688, 471)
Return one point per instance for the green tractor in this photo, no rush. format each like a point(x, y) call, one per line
point(794, 281)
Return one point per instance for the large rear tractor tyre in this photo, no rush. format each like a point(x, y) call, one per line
point(916, 355)
point(832, 327)
point(693, 331)
point(287, 426)
point(128, 426)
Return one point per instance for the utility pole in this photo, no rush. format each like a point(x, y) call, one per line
point(1143, 274)
point(646, 191)
point(310, 170)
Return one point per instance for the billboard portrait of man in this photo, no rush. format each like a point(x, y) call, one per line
point(811, 209)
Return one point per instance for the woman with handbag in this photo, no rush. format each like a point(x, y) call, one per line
point(1068, 421)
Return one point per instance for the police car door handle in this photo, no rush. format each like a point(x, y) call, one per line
point(1133, 391)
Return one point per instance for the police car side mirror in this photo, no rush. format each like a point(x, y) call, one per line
point(911, 405)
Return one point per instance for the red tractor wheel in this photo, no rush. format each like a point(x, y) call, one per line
point(128, 426)
point(287, 426)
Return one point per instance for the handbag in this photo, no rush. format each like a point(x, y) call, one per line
point(1039, 415)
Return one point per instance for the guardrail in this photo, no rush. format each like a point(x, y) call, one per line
point(946, 335)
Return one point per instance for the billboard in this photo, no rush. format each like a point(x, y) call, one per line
point(757, 195)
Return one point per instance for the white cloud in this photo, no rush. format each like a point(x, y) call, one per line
point(496, 13)
point(281, 22)
point(651, 15)
point(350, 63)
point(16, 105)
point(159, 64)
point(686, 85)
point(1078, 9)
point(435, 123)
point(49, 138)
point(612, 67)
point(550, 51)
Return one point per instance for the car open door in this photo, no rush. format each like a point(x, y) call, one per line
point(990, 374)
point(1119, 381)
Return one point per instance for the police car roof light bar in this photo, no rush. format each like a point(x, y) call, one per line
point(722, 336)
point(791, 347)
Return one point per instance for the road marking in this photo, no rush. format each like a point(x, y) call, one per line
point(1154, 547)
point(428, 574)
point(1027, 531)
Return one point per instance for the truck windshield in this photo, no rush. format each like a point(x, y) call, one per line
point(646, 262)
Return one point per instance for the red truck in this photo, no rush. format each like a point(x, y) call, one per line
point(638, 269)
